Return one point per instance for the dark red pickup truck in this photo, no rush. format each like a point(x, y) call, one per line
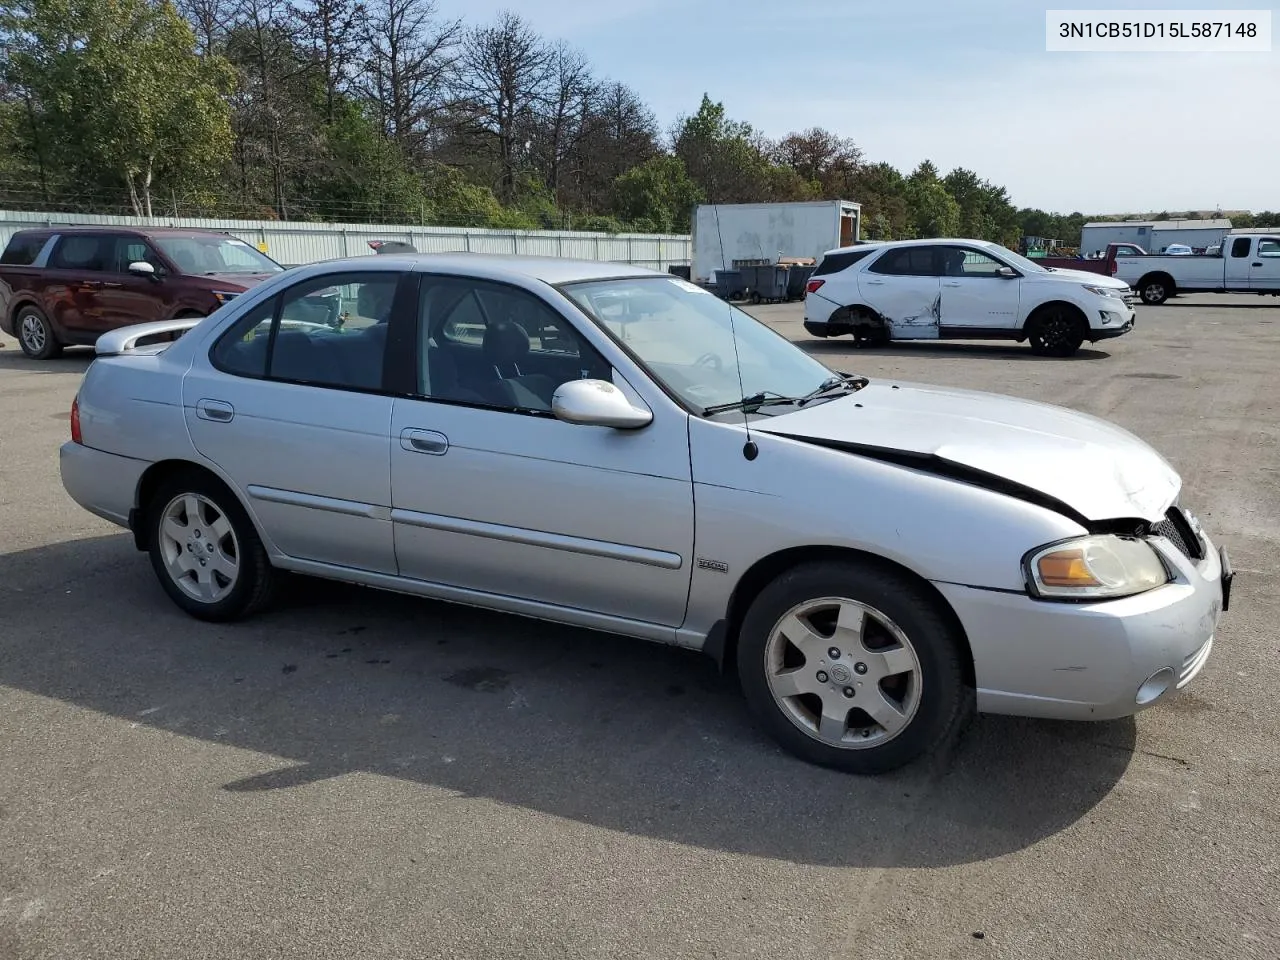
point(69, 285)
point(1105, 265)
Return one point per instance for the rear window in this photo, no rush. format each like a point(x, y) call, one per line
point(835, 262)
point(23, 248)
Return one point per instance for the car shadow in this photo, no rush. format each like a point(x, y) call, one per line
point(946, 348)
point(1273, 305)
point(72, 360)
point(615, 733)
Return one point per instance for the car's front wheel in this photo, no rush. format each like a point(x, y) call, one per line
point(205, 550)
point(1055, 331)
point(850, 666)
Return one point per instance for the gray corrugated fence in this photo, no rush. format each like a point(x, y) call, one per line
point(294, 243)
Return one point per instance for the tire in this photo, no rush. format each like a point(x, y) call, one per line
point(233, 578)
point(908, 650)
point(1155, 289)
point(35, 334)
point(1055, 331)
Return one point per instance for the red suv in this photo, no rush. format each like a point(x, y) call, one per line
point(69, 285)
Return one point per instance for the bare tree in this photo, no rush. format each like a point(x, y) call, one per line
point(570, 92)
point(410, 58)
point(269, 110)
point(819, 155)
point(506, 69)
point(330, 31)
point(619, 132)
point(209, 19)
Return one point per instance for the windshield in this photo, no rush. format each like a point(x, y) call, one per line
point(681, 334)
point(210, 255)
point(1015, 259)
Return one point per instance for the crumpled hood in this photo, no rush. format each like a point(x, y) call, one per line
point(1096, 468)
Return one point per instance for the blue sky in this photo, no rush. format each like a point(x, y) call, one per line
point(961, 82)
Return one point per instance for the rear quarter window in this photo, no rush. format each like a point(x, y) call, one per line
point(22, 249)
point(835, 262)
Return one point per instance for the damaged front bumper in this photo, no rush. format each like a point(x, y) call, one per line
point(1094, 661)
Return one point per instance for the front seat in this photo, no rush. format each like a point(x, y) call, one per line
point(505, 345)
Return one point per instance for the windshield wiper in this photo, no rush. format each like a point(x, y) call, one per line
point(834, 386)
point(765, 398)
point(830, 387)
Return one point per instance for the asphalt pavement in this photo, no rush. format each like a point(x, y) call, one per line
point(360, 775)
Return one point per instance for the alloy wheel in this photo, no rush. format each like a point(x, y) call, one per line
point(1055, 331)
point(32, 333)
point(843, 672)
point(199, 546)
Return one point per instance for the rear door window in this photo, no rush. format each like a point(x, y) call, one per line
point(907, 262)
point(87, 253)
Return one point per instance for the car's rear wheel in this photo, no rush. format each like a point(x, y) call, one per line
point(1055, 331)
point(35, 334)
point(205, 550)
point(1155, 289)
point(850, 666)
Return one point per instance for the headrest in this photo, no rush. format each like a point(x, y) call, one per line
point(505, 342)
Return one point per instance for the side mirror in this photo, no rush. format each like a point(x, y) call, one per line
point(143, 269)
point(597, 403)
point(1006, 272)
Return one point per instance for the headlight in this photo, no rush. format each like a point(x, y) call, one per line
point(1103, 291)
point(222, 296)
point(1095, 568)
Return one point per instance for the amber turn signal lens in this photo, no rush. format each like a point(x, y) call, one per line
point(1066, 568)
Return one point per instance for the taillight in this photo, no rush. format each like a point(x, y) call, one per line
point(813, 285)
point(75, 421)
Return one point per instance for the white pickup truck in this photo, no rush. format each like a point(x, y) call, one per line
point(1245, 263)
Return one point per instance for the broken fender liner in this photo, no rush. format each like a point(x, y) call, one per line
point(931, 463)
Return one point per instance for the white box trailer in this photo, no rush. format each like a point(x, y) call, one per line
point(725, 232)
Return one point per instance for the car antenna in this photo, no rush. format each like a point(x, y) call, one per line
point(749, 449)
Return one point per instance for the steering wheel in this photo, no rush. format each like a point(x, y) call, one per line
point(709, 359)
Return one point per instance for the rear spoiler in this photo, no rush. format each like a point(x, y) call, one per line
point(125, 340)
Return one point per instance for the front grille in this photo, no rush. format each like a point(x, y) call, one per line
point(1177, 530)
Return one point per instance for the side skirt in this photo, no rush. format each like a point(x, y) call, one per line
point(532, 609)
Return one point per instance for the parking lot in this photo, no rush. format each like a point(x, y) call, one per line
point(356, 774)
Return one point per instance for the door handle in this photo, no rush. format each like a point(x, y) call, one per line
point(1255, 264)
point(91, 284)
point(107, 283)
point(424, 441)
point(216, 410)
point(952, 283)
point(876, 283)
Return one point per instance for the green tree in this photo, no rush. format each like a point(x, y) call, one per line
point(985, 210)
point(118, 94)
point(722, 156)
point(934, 212)
point(657, 196)
point(882, 191)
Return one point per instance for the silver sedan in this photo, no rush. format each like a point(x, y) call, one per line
point(613, 448)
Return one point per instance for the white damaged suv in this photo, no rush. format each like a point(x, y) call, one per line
point(962, 290)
